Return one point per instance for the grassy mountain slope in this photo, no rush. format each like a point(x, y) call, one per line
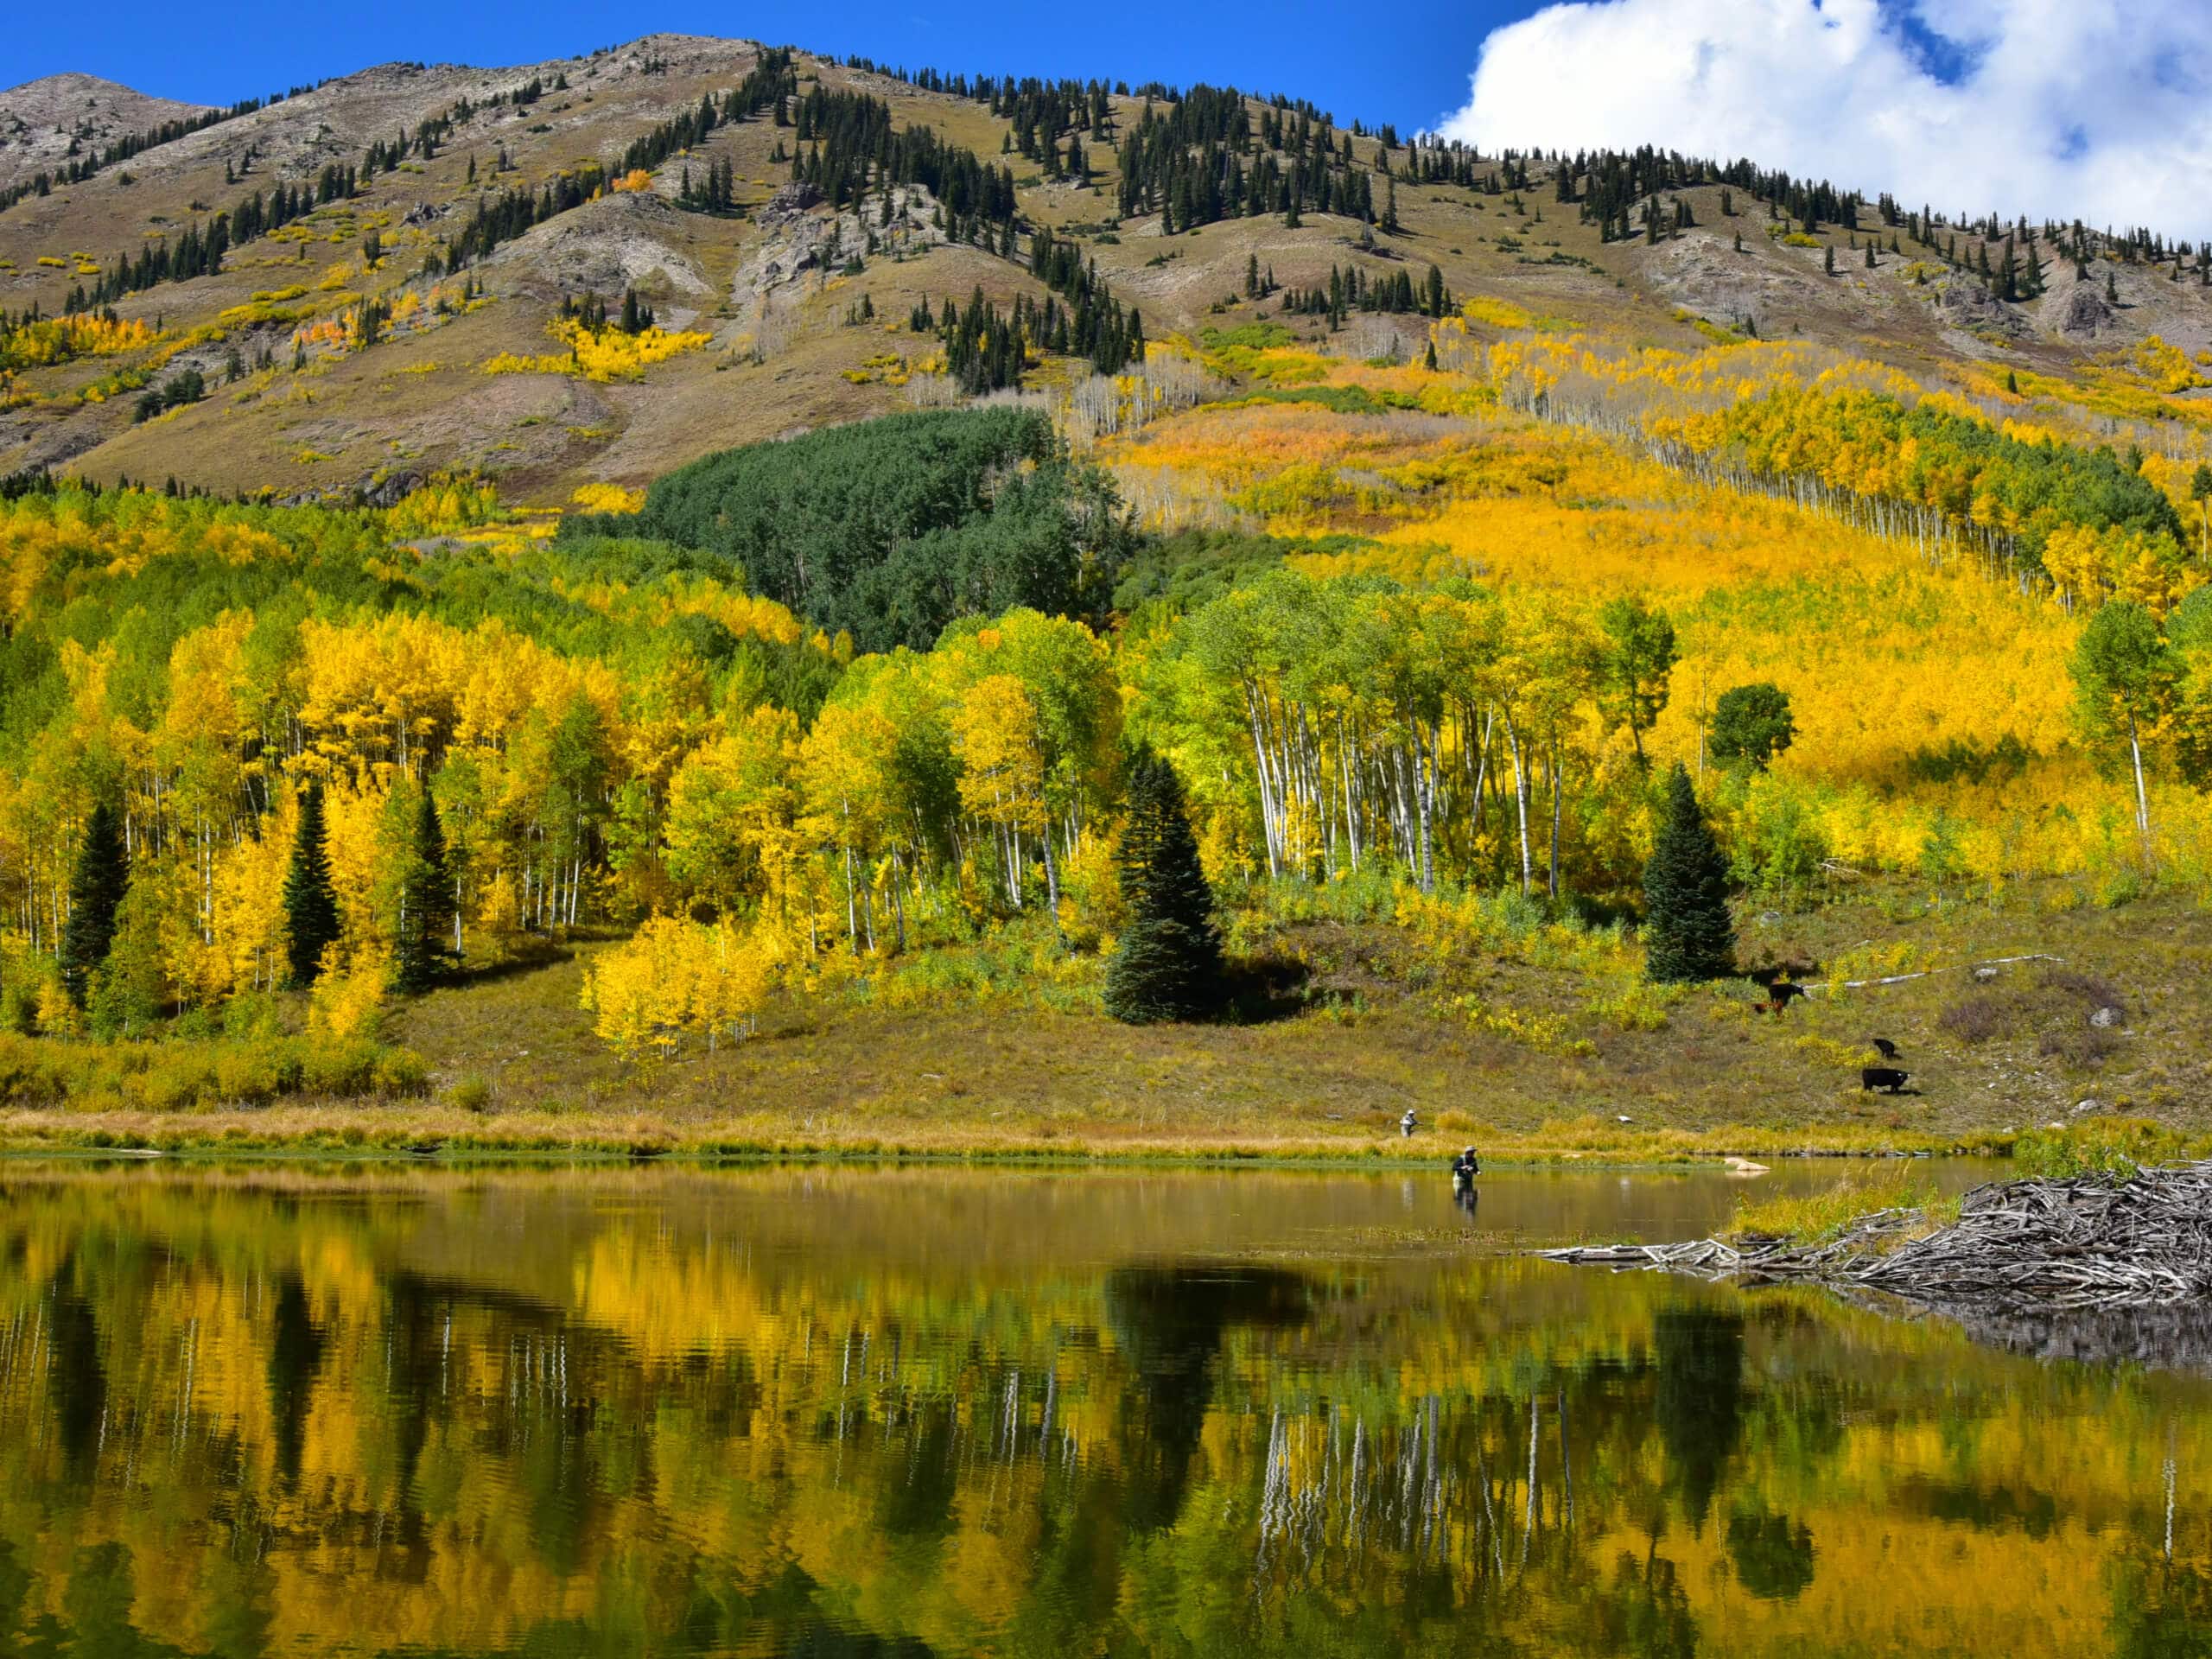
point(778, 355)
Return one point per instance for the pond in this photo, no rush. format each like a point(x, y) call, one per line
point(881, 1410)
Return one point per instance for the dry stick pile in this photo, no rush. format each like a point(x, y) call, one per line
point(2094, 1241)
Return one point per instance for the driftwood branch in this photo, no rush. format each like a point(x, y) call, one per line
point(2050, 1246)
point(1927, 973)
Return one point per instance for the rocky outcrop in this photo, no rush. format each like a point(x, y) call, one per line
point(624, 240)
point(801, 239)
point(2083, 312)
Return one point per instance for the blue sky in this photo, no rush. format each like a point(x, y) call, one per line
point(1406, 62)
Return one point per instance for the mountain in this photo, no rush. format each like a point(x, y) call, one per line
point(760, 302)
point(44, 122)
point(1425, 509)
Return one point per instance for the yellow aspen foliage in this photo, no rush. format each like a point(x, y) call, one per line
point(601, 354)
point(606, 498)
point(348, 1001)
point(1002, 772)
point(672, 978)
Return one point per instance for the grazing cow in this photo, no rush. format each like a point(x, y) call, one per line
point(1887, 1078)
point(1883, 1046)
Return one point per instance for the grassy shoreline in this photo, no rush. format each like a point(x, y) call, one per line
point(1531, 1064)
point(428, 1131)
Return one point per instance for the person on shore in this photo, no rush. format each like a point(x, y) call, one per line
point(1408, 1123)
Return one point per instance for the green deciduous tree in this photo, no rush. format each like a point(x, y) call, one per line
point(1169, 963)
point(2124, 678)
point(1752, 724)
point(1639, 658)
point(129, 990)
point(1688, 933)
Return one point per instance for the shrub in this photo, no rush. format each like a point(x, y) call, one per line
point(2084, 1047)
point(1638, 1005)
point(253, 1075)
point(1974, 1021)
point(182, 1074)
point(2093, 990)
point(341, 1069)
point(1819, 1216)
point(401, 1074)
point(175, 1083)
point(2103, 1146)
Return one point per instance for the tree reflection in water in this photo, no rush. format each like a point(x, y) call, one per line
point(829, 1414)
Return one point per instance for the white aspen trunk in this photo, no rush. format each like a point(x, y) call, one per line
point(1052, 881)
point(1424, 808)
point(1351, 813)
point(1270, 813)
point(2142, 796)
point(852, 923)
point(1520, 801)
point(898, 900)
point(1481, 773)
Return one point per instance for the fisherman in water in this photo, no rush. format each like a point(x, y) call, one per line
point(1465, 1168)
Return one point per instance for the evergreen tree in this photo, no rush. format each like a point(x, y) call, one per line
point(95, 889)
point(1687, 931)
point(425, 901)
point(2200, 491)
point(311, 899)
point(1169, 964)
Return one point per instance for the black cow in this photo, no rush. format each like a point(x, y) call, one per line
point(1887, 1078)
point(1883, 1046)
point(1779, 996)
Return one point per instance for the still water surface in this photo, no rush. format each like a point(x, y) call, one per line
point(877, 1411)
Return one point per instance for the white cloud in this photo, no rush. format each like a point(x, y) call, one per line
point(2096, 109)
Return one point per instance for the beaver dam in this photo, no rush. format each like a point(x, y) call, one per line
point(2092, 1267)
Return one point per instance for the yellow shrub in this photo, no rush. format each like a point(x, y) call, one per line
point(603, 355)
point(606, 498)
point(349, 1003)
